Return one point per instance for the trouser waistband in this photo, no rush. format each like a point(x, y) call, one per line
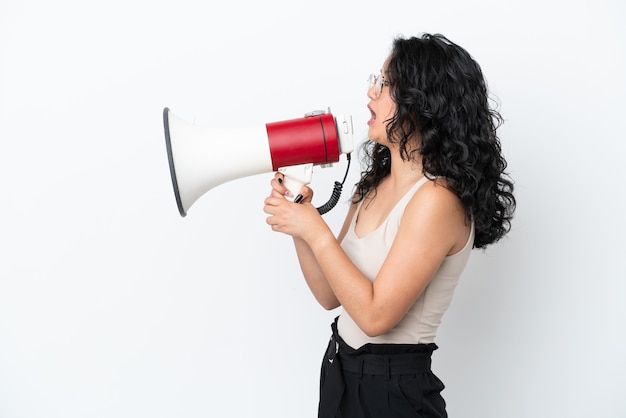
point(388, 365)
point(381, 363)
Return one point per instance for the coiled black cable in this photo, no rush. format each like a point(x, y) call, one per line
point(336, 194)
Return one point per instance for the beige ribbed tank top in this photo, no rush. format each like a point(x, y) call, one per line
point(369, 252)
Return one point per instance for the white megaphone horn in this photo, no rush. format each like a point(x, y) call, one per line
point(201, 158)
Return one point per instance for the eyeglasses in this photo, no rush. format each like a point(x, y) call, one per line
point(377, 81)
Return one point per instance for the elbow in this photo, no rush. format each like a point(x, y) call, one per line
point(373, 332)
point(329, 306)
point(329, 303)
point(375, 323)
point(375, 328)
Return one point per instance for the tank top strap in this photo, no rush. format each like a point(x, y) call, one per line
point(404, 200)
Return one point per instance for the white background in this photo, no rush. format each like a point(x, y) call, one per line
point(112, 305)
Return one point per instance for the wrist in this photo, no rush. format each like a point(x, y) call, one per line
point(319, 237)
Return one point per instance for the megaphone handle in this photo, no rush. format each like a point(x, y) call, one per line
point(295, 177)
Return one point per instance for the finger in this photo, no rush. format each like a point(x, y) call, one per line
point(277, 184)
point(279, 177)
point(274, 199)
point(276, 193)
point(306, 193)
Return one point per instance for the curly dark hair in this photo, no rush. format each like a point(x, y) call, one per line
point(441, 93)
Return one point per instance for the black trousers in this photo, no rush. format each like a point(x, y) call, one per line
point(379, 381)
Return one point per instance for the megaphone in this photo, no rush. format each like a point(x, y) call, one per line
point(201, 158)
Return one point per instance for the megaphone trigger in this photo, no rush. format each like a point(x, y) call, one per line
point(295, 177)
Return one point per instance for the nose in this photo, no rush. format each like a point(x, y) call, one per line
point(371, 92)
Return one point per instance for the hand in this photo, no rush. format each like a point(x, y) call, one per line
point(295, 219)
point(305, 194)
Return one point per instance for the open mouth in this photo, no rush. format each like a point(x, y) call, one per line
point(372, 116)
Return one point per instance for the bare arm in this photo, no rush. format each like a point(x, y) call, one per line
point(313, 274)
point(432, 227)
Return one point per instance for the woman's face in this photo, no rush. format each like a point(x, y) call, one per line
point(381, 107)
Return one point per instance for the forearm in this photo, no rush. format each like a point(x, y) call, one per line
point(352, 288)
point(314, 276)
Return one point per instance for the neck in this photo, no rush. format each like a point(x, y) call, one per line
point(404, 172)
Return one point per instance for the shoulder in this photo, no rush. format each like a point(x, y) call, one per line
point(437, 210)
point(435, 194)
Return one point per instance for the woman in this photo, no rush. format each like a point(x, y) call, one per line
point(433, 188)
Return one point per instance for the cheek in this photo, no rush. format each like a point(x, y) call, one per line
point(389, 108)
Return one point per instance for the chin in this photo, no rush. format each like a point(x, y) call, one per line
point(376, 137)
point(371, 134)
